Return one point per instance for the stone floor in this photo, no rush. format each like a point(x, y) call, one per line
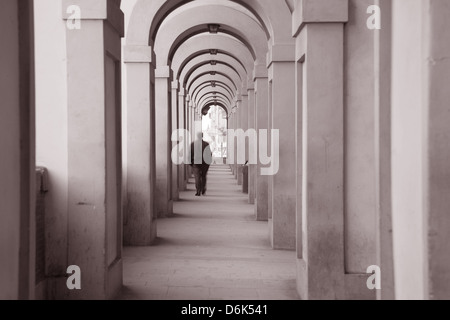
point(212, 249)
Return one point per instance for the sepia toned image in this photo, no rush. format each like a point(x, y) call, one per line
point(229, 150)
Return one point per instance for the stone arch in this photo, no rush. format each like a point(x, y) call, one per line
point(222, 44)
point(205, 58)
point(207, 77)
point(274, 17)
point(230, 21)
point(213, 100)
point(198, 64)
point(218, 69)
point(216, 95)
point(207, 84)
point(148, 16)
point(218, 104)
point(202, 93)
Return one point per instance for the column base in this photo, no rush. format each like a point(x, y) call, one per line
point(270, 222)
point(240, 177)
point(278, 242)
point(165, 210)
point(355, 286)
point(114, 279)
point(260, 213)
point(302, 279)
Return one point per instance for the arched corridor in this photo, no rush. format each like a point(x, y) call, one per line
point(332, 177)
point(211, 249)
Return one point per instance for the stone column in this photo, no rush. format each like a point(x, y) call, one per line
point(282, 184)
point(94, 148)
point(17, 159)
point(232, 159)
point(164, 202)
point(182, 125)
point(251, 126)
point(320, 242)
point(244, 127)
point(383, 135)
point(261, 102)
point(367, 149)
point(236, 125)
point(269, 146)
point(140, 215)
point(52, 140)
point(192, 131)
point(189, 127)
point(420, 135)
point(175, 126)
point(437, 167)
point(240, 125)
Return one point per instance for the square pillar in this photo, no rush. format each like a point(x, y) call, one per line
point(189, 127)
point(94, 149)
point(232, 161)
point(262, 110)
point(244, 126)
point(241, 120)
point(282, 185)
point(175, 126)
point(383, 136)
point(17, 159)
point(320, 222)
point(182, 125)
point(163, 126)
point(252, 167)
point(140, 218)
point(236, 125)
point(420, 135)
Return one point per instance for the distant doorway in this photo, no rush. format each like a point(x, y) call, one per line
point(215, 126)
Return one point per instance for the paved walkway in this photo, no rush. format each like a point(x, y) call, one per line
point(212, 249)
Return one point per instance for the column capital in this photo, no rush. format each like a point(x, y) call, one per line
point(163, 72)
point(137, 54)
point(182, 92)
point(175, 85)
point(260, 71)
point(281, 53)
point(318, 11)
point(96, 10)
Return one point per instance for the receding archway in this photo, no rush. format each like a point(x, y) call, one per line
point(215, 126)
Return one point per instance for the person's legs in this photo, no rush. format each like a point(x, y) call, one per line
point(198, 179)
point(204, 178)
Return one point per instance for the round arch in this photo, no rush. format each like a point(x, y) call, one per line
point(203, 63)
point(211, 104)
point(207, 77)
point(218, 69)
point(206, 58)
point(147, 16)
point(215, 96)
point(208, 90)
point(193, 21)
point(208, 85)
point(213, 43)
